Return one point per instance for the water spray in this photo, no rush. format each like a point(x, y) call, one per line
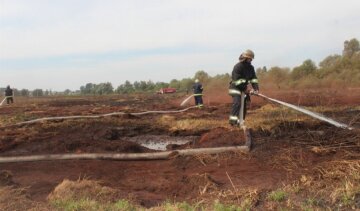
point(2, 102)
point(307, 112)
point(184, 102)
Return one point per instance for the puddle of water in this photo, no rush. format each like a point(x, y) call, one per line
point(159, 142)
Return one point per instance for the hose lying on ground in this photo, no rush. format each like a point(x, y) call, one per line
point(123, 156)
point(100, 116)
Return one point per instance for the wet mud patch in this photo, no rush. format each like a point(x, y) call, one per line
point(76, 136)
point(161, 142)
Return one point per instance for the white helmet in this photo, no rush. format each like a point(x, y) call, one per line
point(196, 80)
point(248, 54)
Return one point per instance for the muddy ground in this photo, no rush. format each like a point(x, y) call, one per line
point(179, 178)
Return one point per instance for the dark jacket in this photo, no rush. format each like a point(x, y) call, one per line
point(242, 74)
point(8, 92)
point(197, 88)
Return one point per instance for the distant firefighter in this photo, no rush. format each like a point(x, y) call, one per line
point(9, 94)
point(242, 74)
point(198, 89)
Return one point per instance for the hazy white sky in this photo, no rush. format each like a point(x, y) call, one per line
point(59, 44)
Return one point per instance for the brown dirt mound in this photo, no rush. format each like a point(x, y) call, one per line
point(219, 137)
point(6, 178)
point(83, 189)
point(16, 199)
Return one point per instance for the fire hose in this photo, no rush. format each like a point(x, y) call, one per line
point(124, 156)
point(99, 116)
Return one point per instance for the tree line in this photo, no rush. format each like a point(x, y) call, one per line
point(127, 87)
point(35, 92)
point(333, 71)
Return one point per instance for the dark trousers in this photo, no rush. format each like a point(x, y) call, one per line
point(9, 100)
point(235, 110)
point(198, 100)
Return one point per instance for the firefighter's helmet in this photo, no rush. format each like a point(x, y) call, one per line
point(248, 54)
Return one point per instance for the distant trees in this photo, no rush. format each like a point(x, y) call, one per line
point(330, 61)
point(125, 88)
point(342, 70)
point(334, 70)
point(37, 93)
point(261, 70)
point(24, 92)
point(104, 88)
point(202, 76)
point(307, 68)
point(140, 86)
point(67, 91)
point(89, 88)
point(97, 89)
point(150, 86)
point(351, 47)
point(275, 77)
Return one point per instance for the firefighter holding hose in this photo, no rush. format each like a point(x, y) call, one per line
point(9, 95)
point(242, 75)
point(198, 89)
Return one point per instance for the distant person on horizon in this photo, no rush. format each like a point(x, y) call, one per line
point(198, 89)
point(242, 74)
point(9, 94)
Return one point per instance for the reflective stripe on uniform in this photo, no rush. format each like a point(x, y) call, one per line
point(239, 81)
point(234, 92)
point(234, 118)
point(198, 94)
point(254, 81)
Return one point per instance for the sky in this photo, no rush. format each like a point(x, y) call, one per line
point(64, 44)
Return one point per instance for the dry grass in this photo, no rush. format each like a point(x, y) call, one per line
point(189, 124)
point(80, 189)
point(291, 159)
point(342, 179)
point(85, 194)
point(16, 199)
point(244, 198)
point(271, 116)
point(198, 124)
point(333, 185)
point(213, 197)
point(206, 159)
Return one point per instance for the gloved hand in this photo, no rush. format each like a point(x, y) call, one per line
point(254, 92)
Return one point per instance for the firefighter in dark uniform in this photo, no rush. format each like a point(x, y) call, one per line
point(242, 74)
point(9, 95)
point(198, 89)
